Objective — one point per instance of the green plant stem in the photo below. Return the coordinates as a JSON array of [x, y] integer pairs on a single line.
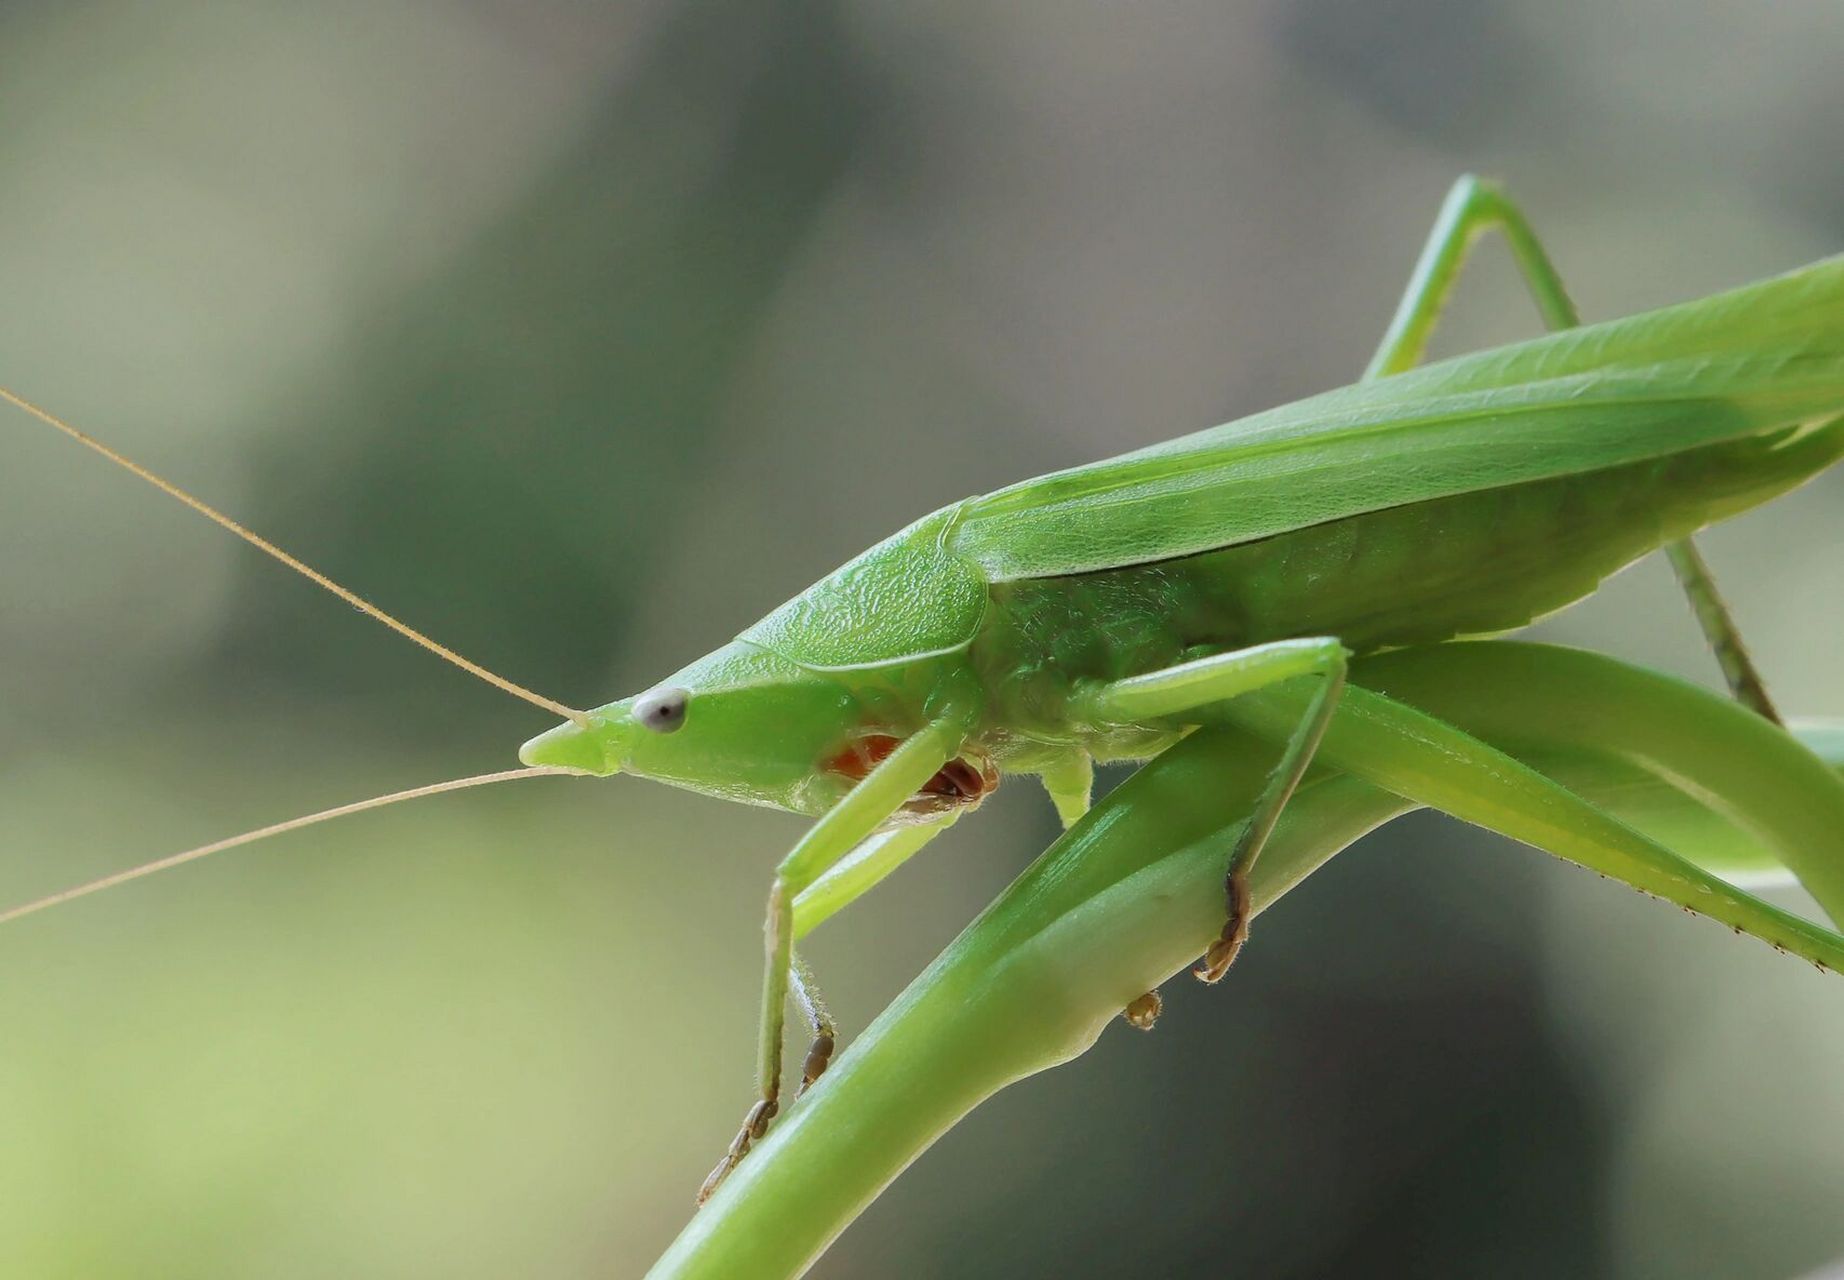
[[1030, 984], [1134, 892]]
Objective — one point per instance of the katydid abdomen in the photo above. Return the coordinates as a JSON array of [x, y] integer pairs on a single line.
[[1469, 564]]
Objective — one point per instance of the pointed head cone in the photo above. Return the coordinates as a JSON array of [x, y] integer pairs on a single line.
[[571, 746]]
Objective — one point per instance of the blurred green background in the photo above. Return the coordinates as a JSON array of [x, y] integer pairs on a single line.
[[579, 335]]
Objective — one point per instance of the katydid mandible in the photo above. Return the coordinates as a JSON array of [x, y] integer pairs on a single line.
[[1097, 614]]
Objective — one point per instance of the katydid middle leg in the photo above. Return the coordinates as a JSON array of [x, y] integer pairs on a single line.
[[1181, 691], [1457, 763], [1473, 208], [1431, 761], [843, 883], [819, 1022]]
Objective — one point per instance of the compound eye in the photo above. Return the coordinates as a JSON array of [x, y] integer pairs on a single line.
[[662, 710]]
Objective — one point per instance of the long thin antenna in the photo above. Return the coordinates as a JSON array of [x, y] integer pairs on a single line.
[[293, 824], [312, 575]]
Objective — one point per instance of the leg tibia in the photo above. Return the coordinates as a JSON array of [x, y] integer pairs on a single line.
[[1473, 208], [1184, 693]]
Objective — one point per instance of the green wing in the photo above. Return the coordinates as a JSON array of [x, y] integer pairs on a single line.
[[1763, 357]]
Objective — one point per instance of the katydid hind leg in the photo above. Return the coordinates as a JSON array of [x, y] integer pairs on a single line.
[[1719, 629], [1178, 692], [1473, 208]]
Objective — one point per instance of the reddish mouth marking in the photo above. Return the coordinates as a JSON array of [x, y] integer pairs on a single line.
[[959, 781]]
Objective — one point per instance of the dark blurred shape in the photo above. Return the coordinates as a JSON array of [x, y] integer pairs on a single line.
[[514, 432]]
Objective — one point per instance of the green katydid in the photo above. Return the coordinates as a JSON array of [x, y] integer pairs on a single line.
[[1101, 613]]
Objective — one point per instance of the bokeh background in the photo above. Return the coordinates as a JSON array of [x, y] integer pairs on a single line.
[[580, 335]]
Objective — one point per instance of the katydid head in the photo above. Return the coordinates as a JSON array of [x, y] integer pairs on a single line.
[[742, 723]]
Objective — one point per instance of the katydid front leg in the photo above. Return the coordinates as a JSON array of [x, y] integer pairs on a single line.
[[1179, 693], [866, 807], [1473, 208], [862, 870]]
